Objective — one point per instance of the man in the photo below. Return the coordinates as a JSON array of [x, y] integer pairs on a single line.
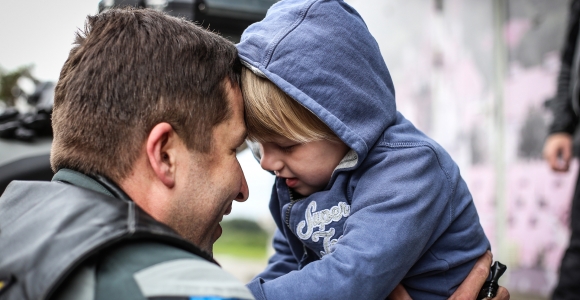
[[558, 150], [147, 118], [148, 109]]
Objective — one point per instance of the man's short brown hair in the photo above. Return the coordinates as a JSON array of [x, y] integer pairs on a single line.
[[128, 71]]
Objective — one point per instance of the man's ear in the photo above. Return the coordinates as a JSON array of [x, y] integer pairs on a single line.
[[162, 144]]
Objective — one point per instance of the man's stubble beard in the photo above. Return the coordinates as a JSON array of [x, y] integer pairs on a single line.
[[189, 227]]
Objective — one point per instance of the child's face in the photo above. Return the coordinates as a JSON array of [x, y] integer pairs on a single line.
[[306, 167]]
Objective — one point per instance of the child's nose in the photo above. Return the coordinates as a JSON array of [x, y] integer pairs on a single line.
[[270, 161]]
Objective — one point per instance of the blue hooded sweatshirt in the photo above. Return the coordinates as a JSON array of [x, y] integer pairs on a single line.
[[396, 209]]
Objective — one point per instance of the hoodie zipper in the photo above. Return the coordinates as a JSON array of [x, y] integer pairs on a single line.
[[287, 216], [287, 221]]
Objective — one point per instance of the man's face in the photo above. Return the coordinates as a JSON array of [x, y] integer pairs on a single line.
[[211, 181], [306, 167]]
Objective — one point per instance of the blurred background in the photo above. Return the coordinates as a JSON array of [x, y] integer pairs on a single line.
[[477, 76]]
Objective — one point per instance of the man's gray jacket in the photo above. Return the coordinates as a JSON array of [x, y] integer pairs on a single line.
[[81, 237]]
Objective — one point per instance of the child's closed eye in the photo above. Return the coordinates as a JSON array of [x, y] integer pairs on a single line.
[[287, 149]]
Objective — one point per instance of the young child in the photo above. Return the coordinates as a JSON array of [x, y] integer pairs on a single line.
[[362, 199]]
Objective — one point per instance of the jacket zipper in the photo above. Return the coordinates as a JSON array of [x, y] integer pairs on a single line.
[[287, 221], [292, 201]]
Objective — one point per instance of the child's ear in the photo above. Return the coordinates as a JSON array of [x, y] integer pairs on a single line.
[[162, 151]]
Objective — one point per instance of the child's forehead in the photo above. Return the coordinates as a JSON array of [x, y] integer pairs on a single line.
[[276, 139]]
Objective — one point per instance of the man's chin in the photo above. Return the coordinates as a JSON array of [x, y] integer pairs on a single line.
[[217, 233]]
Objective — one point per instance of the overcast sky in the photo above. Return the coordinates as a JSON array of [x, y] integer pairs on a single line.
[[40, 32]]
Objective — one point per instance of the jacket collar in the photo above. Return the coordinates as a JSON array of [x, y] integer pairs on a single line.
[[97, 183]]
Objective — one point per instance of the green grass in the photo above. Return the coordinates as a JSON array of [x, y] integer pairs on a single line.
[[242, 238]]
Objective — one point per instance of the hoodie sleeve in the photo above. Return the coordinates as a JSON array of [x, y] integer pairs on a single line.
[[400, 207], [281, 262]]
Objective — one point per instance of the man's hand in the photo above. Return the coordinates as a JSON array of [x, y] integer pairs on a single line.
[[558, 151], [469, 288], [399, 293], [472, 284]]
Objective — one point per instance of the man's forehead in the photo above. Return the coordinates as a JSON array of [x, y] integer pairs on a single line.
[[236, 124]]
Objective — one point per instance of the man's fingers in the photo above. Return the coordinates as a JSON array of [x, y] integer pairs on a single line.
[[470, 287], [551, 156], [566, 155], [399, 293], [552, 159], [502, 294]]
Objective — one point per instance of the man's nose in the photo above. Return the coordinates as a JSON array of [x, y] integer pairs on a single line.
[[244, 190], [269, 161]]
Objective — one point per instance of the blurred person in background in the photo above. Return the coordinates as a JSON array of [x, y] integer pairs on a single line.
[[560, 147]]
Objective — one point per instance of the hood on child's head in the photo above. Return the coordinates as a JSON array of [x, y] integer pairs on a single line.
[[321, 53]]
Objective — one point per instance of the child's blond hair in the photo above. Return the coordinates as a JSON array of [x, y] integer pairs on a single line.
[[270, 113]]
